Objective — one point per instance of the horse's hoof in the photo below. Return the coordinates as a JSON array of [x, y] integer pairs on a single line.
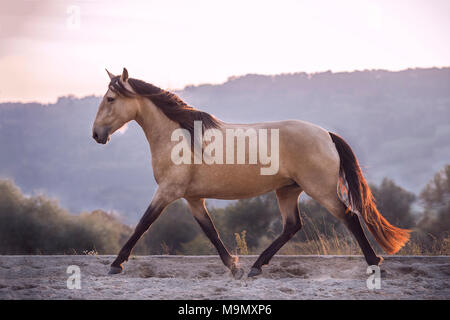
[[375, 262], [237, 273], [254, 272], [115, 270]]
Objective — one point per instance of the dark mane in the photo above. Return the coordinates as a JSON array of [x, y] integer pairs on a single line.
[[170, 104]]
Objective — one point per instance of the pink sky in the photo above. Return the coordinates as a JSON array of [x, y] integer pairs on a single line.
[[46, 51]]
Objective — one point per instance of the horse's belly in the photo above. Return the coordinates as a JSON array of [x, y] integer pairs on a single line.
[[233, 182]]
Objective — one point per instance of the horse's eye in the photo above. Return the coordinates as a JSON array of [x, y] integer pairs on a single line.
[[109, 99]]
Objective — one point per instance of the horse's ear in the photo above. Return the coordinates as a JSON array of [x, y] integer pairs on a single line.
[[124, 76], [111, 76]]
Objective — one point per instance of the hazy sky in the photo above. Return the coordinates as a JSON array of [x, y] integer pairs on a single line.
[[48, 50]]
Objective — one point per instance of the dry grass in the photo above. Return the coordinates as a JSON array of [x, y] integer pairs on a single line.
[[437, 247], [345, 244], [241, 243]]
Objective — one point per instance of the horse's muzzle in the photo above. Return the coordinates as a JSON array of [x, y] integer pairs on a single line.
[[100, 134]]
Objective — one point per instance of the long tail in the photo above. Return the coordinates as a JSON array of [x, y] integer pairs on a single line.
[[390, 238]]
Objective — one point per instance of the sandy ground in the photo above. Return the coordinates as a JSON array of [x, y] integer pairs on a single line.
[[204, 277]]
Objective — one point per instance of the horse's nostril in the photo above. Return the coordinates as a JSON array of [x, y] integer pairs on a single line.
[[95, 136]]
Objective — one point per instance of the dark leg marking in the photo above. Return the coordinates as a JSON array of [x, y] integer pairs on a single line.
[[150, 215], [354, 225], [211, 232], [289, 230], [288, 202], [203, 218]]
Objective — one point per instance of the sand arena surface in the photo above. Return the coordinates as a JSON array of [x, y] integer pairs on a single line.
[[204, 277]]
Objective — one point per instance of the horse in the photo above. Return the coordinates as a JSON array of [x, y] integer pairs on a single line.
[[310, 159]]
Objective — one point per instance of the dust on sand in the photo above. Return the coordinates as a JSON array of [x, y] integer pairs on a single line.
[[204, 277]]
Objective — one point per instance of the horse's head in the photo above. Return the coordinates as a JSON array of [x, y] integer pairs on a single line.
[[119, 106]]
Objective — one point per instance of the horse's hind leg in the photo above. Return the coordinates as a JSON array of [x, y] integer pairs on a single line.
[[288, 202], [354, 225], [201, 215], [334, 205]]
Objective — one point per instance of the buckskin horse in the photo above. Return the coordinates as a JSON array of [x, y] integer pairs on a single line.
[[311, 160]]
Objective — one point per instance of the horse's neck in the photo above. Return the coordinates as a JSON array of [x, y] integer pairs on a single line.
[[157, 127]]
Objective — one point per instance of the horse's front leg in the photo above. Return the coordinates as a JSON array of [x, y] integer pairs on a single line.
[[159, 202], [201, 215]]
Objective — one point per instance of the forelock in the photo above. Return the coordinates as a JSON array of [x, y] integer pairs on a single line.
[[118, 87]]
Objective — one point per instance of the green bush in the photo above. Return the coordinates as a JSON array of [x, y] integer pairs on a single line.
[[37, 225]]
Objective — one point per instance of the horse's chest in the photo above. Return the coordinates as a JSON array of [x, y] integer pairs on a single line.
[[159, 170], [168, 173]]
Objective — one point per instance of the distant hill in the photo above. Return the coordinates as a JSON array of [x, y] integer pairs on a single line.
[[397, 123]]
